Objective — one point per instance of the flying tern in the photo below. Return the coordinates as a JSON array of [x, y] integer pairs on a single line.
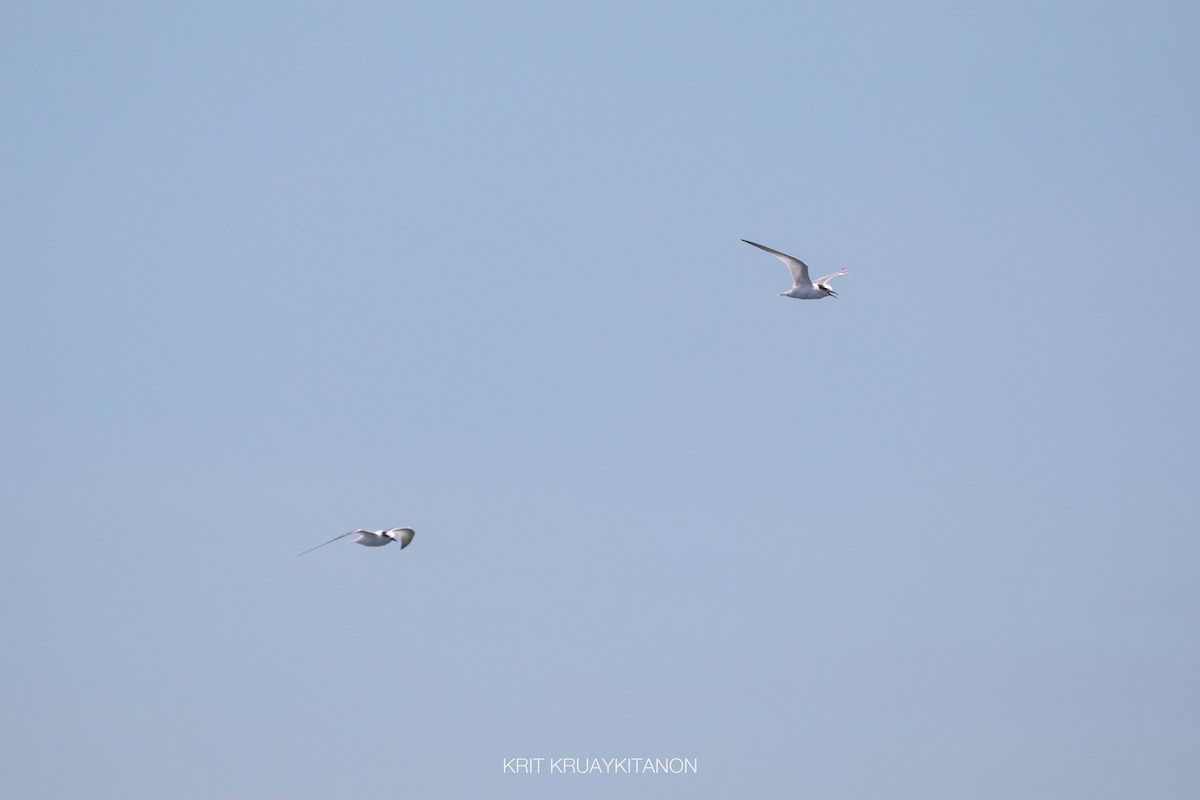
[[802, 287], [375, 538]]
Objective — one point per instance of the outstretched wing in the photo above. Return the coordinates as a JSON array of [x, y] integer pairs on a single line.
[[842, 271], [404, 536], [334, 539], [798, 268]]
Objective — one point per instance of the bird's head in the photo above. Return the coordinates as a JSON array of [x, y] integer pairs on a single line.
[[825, 288], [402, 535]]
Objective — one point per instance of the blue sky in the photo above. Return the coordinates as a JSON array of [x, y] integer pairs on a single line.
[[277, 271]]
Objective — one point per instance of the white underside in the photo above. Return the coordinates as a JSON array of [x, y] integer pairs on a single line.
[[805, 293]]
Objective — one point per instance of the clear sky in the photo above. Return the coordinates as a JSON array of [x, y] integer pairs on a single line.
[[275, 271]]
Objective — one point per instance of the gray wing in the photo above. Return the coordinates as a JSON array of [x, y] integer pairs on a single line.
[[798, 268], [334, 539], [842, 271], [404, 536]]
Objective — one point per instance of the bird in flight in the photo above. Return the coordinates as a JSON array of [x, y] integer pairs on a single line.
[[802, 287], [374, 538]]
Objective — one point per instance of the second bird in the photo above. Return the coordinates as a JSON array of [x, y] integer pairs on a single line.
[[802, 287], [374, 538]]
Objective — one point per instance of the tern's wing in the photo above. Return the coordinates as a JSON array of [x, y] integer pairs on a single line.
[[842, 271], [799, 268], [404, 536], [334, 539]]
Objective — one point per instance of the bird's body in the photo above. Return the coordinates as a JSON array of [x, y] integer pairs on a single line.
[[802, 287], [374, 538]]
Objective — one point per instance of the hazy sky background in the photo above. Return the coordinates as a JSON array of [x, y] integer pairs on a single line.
[[274, 271]]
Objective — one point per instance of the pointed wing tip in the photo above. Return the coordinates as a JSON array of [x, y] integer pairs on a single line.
[[331, 541]]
